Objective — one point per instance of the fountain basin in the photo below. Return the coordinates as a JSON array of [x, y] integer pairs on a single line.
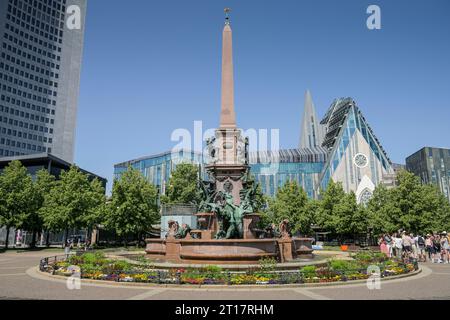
[[230, 251]]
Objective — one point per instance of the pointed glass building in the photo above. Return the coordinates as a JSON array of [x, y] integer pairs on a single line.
[[355, 156]]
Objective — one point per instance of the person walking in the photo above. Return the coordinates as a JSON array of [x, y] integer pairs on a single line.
[[413, 245], [388, 241], [383, 247], [421, 250], [445, 247], [429, 246], [67, 248], [407, 244], [436, 254], [398, 247]]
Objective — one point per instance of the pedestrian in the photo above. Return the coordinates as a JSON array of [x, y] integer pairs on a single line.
[[429, 246], [398, 247], [66, 248], [406, 243], [445, 248], [388, 241], [421, 249], [383, 247], [436, 254], [413, 245]]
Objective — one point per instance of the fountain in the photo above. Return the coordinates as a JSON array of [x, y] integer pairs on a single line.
[[226, 220]]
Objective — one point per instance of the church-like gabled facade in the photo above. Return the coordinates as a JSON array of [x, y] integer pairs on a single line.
[[355, 156]]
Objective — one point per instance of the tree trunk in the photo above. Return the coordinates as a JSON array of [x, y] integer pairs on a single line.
[[33, 240], [138, 240], [47, 239], [7, 237]]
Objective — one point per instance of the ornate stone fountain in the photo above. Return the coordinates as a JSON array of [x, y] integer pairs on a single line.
[[226, 218]]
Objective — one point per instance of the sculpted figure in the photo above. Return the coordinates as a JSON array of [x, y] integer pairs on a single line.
[[284, 229], [173, 229], [208, 194], [183, 231]]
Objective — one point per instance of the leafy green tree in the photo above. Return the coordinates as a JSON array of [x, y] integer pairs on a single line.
[[261, 200], [33, 221], [382, 211], [435, 210], [327, 213], [134, 205], [351, 219], [73, 203], [411, 205], [182, 186], [441, 219], [15, 196], [291, 202], [409, 196]]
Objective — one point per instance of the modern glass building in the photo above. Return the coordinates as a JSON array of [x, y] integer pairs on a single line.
[[40, 64], [271, 169], [158, 168], [349, 153], [432, 165]]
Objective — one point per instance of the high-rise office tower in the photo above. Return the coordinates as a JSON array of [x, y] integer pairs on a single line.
[[41, 44], [432, 165]]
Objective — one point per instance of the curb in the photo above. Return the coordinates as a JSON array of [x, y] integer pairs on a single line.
[[234, 287]]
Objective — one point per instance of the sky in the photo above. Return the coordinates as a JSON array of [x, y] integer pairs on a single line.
[[151, 67]]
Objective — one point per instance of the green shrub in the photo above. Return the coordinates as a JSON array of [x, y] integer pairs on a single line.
[[370, 256], [212, 272], [94, 258], [121, 265], [90, 268], [309, 271]]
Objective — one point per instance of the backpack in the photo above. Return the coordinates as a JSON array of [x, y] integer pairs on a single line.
[[421, 242]]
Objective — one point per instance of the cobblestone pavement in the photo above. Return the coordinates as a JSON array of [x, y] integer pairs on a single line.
[[19, 280]]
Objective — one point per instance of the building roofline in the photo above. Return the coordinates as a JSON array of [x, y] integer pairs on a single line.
[[159, 155], [45, 156]]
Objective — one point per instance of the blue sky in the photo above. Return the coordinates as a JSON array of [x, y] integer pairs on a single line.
[[151, 67]]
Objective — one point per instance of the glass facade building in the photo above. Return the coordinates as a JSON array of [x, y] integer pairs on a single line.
[[432, 165], [158, 168], [271, 169], [343, 121], [349, 153], [40, 62]]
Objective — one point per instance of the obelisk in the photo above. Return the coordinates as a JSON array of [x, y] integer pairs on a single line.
[[227, 115], [228, 148]]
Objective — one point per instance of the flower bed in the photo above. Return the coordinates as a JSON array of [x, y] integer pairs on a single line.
[[97, 267]]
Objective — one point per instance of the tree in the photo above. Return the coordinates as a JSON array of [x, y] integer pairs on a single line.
[[73, 203], [134, 205], [351, 219], [327, 217], [15, 196], [182, 186], [261, 200], [291, 202], [33, 222], [413, 206], [382, 211], [441, 221]]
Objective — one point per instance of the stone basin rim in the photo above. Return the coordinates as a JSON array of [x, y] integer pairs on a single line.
[[198, 241]]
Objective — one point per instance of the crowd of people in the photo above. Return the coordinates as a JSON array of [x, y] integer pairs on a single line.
[[402, 245]]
